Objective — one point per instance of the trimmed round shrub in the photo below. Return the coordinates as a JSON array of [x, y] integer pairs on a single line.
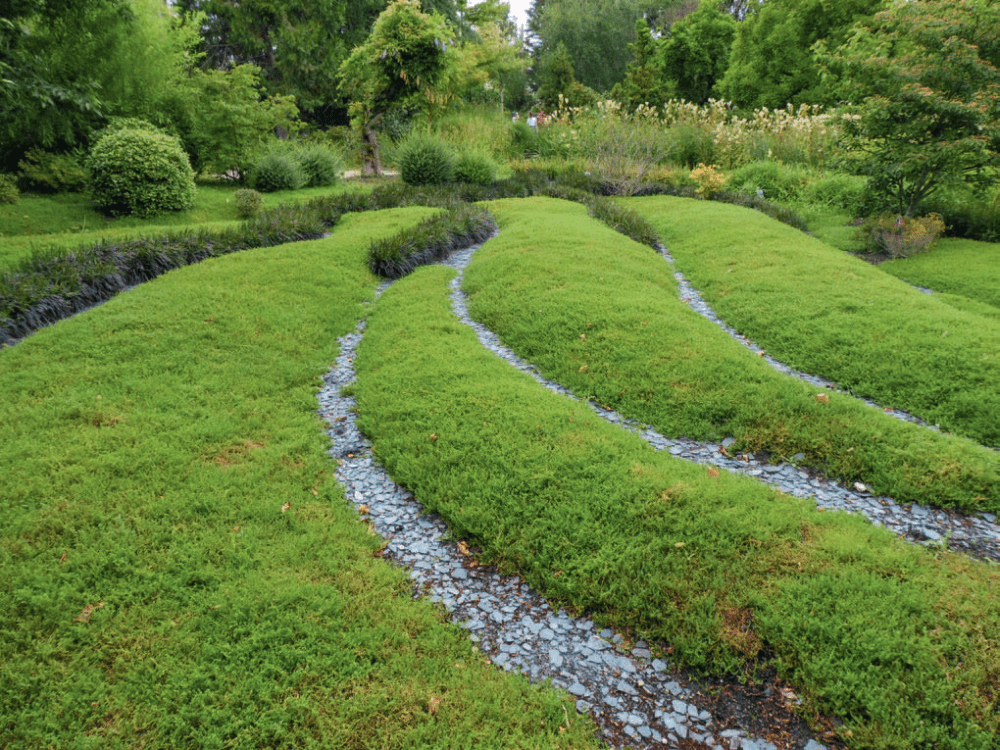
[[141, 172], [248, 203], [320, 164], [277, 170], [425, 160], [478, 169]]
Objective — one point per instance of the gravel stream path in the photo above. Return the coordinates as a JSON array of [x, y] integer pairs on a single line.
[[638, 700]]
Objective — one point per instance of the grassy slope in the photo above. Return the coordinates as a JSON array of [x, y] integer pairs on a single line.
[[964, 268], [39, 223], [147, 449], [601, 315], [713, 568], [833, 315]]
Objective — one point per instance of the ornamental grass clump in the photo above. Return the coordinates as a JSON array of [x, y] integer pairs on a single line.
[[431, 240], [278, 169], [321, 164], [475, 168], [426, 160]]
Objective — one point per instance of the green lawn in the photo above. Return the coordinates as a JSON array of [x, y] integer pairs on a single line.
[[148, 447], [40, 223], [885, 635], [830, 314], [963, 268], [153, 592]]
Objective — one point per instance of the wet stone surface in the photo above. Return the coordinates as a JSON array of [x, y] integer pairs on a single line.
[[636, 698]]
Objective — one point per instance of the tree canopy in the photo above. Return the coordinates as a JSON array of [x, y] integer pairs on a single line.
[[595, 33], [66, 65], [696, 54], [772, 62], [926, 84], [298, 44]]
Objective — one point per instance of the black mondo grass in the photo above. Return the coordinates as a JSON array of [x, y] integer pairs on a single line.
[[431, 240], [54, 285]]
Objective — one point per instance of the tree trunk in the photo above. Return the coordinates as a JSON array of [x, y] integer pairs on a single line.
[[371, 164]]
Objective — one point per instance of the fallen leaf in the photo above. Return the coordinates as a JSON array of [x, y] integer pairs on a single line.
[[363, 510], [583, 337], [286, 507], [62, 559], [584, 368], [712, 471], [822, 398], [432, 705], [84, 616], [434, 436]]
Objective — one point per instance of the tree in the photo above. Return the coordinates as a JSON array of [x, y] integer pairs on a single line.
[[644, 82], [696, 54], [596, 33], [68, 64], [46, 99], [298, 45], [771, 63], [926, 84], [403, 62], [491, 55], [223, 120]]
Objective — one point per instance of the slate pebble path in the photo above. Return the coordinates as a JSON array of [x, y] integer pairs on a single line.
[[635, 698]]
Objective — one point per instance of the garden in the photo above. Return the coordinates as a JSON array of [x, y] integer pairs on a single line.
[[179, 565]]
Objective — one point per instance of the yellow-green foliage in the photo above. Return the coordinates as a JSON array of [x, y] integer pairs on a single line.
[[899, 236], [709, 180]]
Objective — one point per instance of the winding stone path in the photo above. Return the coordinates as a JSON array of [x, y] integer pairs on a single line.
[[635, 698]]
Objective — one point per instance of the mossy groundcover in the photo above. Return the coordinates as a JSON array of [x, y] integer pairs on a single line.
[[715, 569], [833, 315], [178, 566]]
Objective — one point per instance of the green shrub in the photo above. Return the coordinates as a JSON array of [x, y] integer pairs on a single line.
[[321, 164], [8, 189], [897, 236], [426, 160], [709, 181], [968, 215], [779, 182], [278, 169], [141, 172], [523, 140], [125, 123], [479, 169], [49, 172], [693, 145], [839, 190], [248, 203]]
